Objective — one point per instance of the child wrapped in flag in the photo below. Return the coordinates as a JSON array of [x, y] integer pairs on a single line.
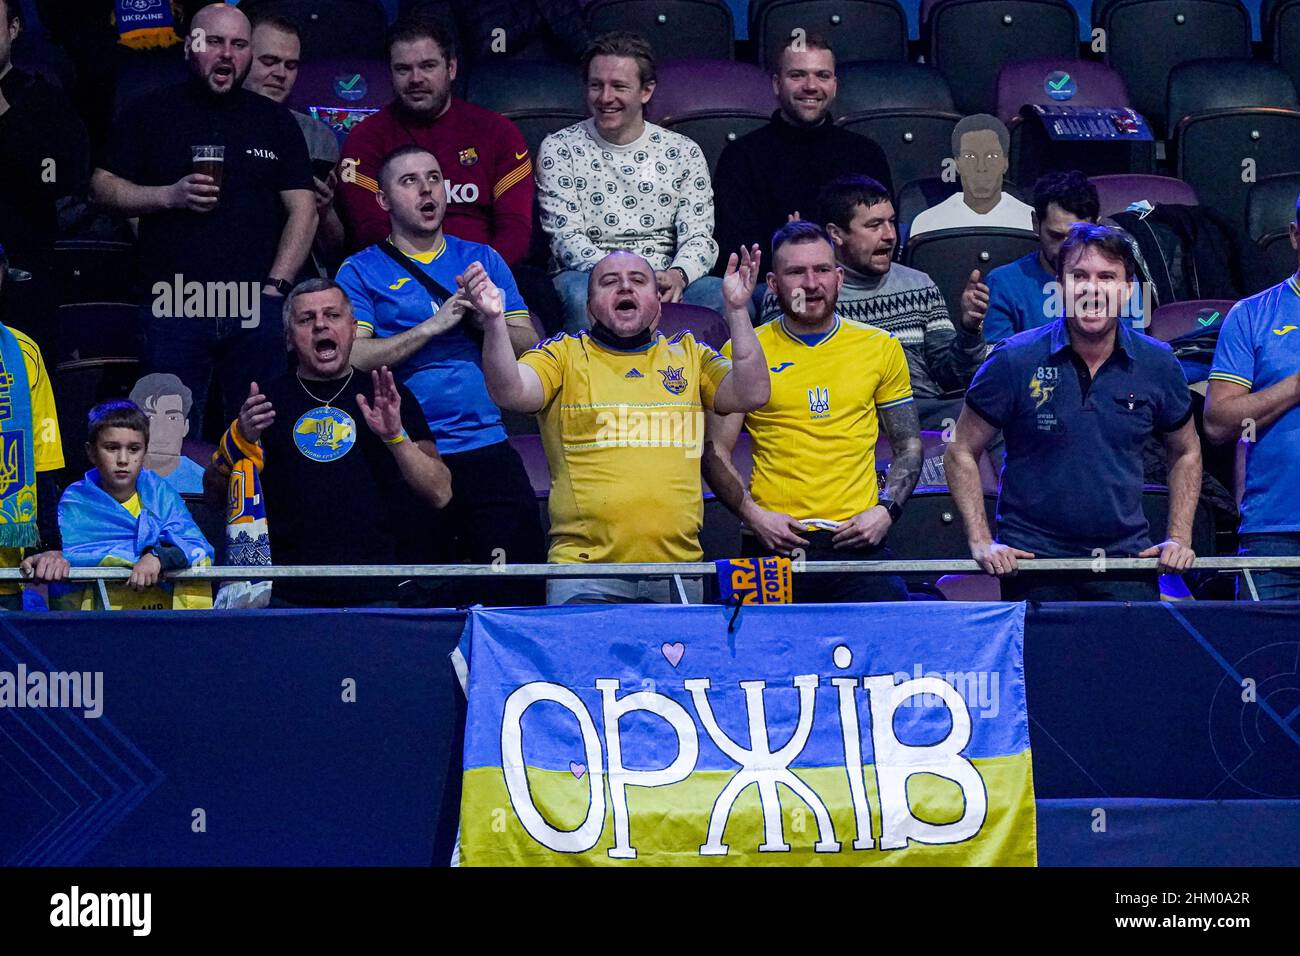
[[121, 515]]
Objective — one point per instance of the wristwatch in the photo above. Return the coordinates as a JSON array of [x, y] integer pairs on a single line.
[[282, 286], [893, 507], [686, 280]]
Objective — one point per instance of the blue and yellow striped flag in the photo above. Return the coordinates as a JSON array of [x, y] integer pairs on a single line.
[[813, 735]]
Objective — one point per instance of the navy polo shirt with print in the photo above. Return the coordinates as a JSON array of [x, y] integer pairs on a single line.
[[1072, 479]]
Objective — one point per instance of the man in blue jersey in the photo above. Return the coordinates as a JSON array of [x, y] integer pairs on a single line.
[[412, 315], [1254, 395]]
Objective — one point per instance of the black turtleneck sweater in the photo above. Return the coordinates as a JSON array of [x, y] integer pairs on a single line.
[[778, 169]]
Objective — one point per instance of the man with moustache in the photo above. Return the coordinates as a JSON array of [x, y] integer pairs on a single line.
[[431, 340], [255, 229], [347, 463], [835, 383], [621, 408], [905, 302], [1076, 400]]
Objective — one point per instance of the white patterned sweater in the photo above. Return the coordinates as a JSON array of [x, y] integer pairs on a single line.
[[652, 196]]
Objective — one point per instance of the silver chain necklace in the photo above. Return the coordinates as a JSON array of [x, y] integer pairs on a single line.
[[332, 397]]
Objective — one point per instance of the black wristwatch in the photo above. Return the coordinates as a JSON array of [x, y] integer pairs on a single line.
[[282, 286], [893, 507]]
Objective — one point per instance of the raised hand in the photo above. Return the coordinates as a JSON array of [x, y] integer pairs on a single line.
[[255, 415], [741, 277], [974, 302], [482, 294], [384, 416]]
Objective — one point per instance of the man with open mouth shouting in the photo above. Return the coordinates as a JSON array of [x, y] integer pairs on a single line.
[[348, 462]]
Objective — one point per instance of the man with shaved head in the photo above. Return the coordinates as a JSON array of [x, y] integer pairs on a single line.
[[248, 230], [622, 414]]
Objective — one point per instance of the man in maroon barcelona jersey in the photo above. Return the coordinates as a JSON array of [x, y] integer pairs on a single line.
[[489, 174]]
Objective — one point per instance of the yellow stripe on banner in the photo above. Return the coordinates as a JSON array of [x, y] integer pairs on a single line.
[[669, 824], [366, 182]]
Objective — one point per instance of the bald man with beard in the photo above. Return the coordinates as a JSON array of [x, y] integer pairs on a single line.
[[253, 228]]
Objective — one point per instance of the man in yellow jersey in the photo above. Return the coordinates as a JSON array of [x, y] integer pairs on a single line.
[[834, 384], [622, 415], [31, 454]]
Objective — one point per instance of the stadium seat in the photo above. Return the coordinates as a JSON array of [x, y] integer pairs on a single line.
[[1118, 192], [855, 29], [969, 40], [1225, 113], [906, 108], [706, 325], [88, 270], [539, 96], [1270, 211], [1155, 505], [341, 93], [918, 194], [340, 28], [970, 587], [93, 330], [145, 73], [1024, 83], [930, 528], [676, 29], [948, 255], [1280, 27], [1177, 319], [713, 102], [1146, 39], [932, 447]]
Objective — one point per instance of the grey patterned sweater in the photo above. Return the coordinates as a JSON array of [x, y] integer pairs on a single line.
[[906, 303]]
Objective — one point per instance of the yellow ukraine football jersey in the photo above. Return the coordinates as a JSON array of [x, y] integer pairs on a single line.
[[47, 445], [623, 433], [815, 440]]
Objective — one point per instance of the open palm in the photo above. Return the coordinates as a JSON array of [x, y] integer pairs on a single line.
[[741, 277]]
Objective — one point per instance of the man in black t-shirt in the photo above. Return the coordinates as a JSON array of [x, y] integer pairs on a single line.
[[217, 253], [349, 463]]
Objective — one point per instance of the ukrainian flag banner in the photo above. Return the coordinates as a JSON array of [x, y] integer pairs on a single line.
[[832, 735]]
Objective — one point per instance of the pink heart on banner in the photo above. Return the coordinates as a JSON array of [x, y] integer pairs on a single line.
[[579, 770], [673, 652]]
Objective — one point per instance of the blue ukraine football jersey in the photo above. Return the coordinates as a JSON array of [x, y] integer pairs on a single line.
[[446, 374], [1259, 346]]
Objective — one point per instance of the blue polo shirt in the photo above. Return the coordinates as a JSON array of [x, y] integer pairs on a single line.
[[1018, 299], [1259, 346], [446, 374], [1072, 479]]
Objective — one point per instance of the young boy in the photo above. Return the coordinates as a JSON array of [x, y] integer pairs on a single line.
[[121, 515]]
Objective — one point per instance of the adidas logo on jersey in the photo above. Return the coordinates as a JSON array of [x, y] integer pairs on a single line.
[[634, 374]]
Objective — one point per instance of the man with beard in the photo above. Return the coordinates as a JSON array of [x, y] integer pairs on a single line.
[[483, 155], [430, 338], [242, 240], [621, 409], [1076, 400], [834, 384], [766, 176], [905, 302], [348, 465]]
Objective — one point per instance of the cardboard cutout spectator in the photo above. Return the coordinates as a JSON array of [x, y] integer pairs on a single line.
[[166, 401], [980, 148]]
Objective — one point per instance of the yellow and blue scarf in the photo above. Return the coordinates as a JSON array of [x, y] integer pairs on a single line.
[[146, 24], [17, 456]]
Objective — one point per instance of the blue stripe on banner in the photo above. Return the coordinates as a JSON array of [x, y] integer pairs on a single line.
[[975, 648]]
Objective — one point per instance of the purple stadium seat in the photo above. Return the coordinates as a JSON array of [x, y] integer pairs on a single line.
[[534, 456], [331, 91], [1168, 322], [676, 29], [694, 87], [1023, 82], [336, 28], [707, 326], [970, 587], [1117, 192]]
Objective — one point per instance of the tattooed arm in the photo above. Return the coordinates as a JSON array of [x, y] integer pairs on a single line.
[[868, 528]]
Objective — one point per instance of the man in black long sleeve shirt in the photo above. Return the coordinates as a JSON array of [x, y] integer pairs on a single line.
[[766, 176]]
